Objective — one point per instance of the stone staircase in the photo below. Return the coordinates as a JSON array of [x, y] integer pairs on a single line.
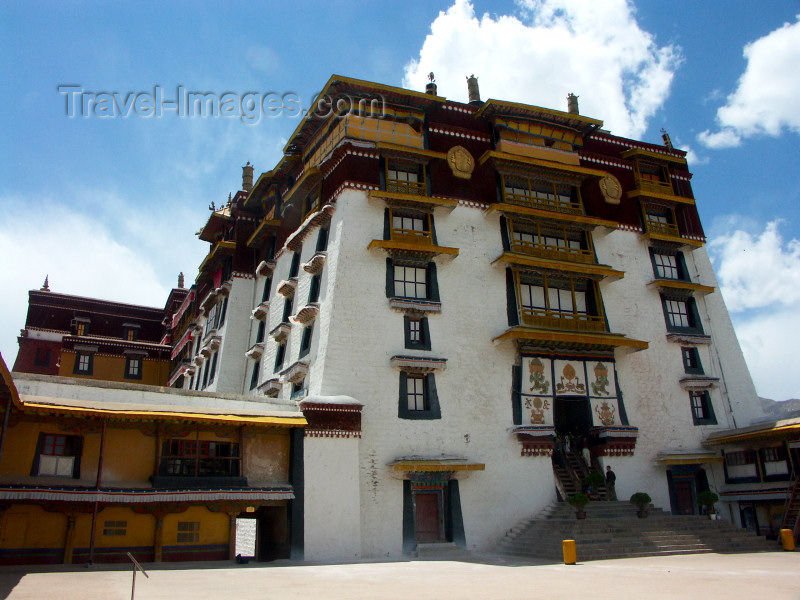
[[612, 530]]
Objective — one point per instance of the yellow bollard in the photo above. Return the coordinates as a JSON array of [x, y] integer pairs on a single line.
[[787, 539], [570, 556]]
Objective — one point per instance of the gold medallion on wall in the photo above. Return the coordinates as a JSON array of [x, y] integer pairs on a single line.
[[611, 188], [461, 162]]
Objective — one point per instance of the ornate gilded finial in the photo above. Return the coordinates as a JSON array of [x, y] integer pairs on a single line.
[[431, 76], [666, 138], [46, 285]]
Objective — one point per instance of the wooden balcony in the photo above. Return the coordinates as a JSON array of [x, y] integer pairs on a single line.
[[662, 228], [550, 203], [411, 236], [415, 188], [539, 250], [550, 319]]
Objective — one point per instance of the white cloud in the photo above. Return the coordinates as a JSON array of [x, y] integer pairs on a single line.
[[760, 280], [765, 101], [758, 271], [595, 50]]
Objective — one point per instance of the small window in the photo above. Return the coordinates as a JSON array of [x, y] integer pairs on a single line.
[[294, 268], [115, 527], [288, 306], [188, 531], [691, 361], [418, 397], [322, 239], [666, 266], [405, 177], [260, 332], [81, 327], [130, 333], [417, 335], [313, 292], [681, 314], [57, 455], [133, 367], [298, 390], [280, 352], [305, 342], [254, 376], [702, 410], [42, 358], [213, 369], [265, 291], [84, 363], [222, 312]]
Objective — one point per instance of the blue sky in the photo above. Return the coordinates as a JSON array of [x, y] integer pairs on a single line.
[[108, 206]]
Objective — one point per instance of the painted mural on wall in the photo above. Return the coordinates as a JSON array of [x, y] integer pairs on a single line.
[[544, 379]]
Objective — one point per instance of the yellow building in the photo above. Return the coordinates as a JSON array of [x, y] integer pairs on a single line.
[[90, 471]]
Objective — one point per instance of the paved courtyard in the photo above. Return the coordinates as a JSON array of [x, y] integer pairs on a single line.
[[773, 576]]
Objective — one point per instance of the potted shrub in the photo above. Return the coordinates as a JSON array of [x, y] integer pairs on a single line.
[[708, 500], [592, 484], [641, 500], [579, 502]]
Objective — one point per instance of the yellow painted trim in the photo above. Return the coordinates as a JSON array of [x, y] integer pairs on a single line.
[[659, 196], [515, 258], [779, 431], [260, 229], [155, 415], [636, 152], [492, 105], [675, 239], [411, 247], [409, 150], [520, 332], [434, 466], [504, 207], [429, 200], [535, 162], [681, 285]]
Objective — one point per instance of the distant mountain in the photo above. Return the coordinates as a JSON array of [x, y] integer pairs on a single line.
[[777, 410]]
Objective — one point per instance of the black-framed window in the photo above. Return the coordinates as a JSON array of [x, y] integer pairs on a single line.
[[42, 358], [188, 531], [57, 455], [405, 177], [305, 341], [280, 353], [669, 264], [262, 326], [115, 528], [133, 367], [417, 334], [559, 300], [409, 225], [288, 306], [213, 369], [418, 398], [691, 361], [294, 267], [223, 310], [254, 375], [322, 239], [313, 289], [298, 389], [84, 363], [702, 409], [265, 291], [681, 314], [130, 333], [80, 326], [411, 280]]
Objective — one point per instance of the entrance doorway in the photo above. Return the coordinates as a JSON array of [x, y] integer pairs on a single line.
[[572, 415], [685, 482], [428, 515]]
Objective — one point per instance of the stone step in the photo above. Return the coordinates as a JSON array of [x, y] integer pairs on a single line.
[[441, 551], [612, 530]]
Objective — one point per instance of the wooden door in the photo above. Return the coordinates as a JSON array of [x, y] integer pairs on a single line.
[[683, 497], [427, 517], [14, 528]]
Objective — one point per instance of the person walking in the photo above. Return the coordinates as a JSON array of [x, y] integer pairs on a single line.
[[611, 482]]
